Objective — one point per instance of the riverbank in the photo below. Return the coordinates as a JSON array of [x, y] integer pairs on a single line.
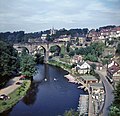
[[17, 93], [71, 78], [60, 64]]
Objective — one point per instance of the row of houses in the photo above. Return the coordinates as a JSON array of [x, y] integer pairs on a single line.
[[83, 67], [113, 72], [104, 34], [92, 36]]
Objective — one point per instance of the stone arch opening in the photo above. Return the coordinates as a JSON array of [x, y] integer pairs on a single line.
[[20, 49], [41, 53], [55, 50], [39, 50]]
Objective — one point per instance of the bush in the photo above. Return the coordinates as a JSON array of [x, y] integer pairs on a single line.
[[4, 103]]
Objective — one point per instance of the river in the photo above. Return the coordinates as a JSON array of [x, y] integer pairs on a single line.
[[47, 98]]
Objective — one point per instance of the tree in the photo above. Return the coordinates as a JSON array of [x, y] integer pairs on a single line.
[[77, 40], [8, 61], [25, 51], [117, 94], [53, 49], [93, 66], [118, 49], [27, 65], [71, 113], [71, 53], [68, 47], [91, 57], [115, 108], [114, 111]]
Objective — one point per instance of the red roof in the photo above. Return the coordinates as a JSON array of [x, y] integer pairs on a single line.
[[22, 76], [113, 69]]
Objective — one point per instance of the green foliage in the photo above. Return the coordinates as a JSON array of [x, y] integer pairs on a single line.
[[92, 72], [118, 49], [25, 51], [15, 96], [62, 50], [94, 49], [105, 61], [71, 53], [60, 64], [68, 47], [27, 65], [71, 113], [77, 40], [91, 52], [115, 108], [19, 36], [114, 111], [91, 58], [93, 66], [109, 56], [53, 49], [39, 58], [117, 94], [9, 61]]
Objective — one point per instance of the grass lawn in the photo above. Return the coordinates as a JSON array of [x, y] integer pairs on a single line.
[[15, 96]]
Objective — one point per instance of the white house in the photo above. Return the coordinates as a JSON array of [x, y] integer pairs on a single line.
[[83, 68], [44, 36]]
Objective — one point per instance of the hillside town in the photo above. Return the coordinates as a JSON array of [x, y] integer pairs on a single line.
[[59, 57], [91, 58]]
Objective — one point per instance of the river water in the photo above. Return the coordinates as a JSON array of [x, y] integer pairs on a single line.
[[47, 98]]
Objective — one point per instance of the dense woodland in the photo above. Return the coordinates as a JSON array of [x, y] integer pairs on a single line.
[[11, 63]]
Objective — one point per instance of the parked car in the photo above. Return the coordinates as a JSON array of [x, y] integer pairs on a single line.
[[18, 83], [4, 97], [22, 77]]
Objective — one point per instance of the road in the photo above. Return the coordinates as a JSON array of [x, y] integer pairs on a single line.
[[10, 86], [109, 92]]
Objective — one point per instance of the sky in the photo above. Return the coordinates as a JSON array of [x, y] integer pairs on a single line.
[[39, 15]]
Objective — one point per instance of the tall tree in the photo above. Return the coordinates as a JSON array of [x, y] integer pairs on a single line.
[[27, 65], [8, 61], [118, 49]]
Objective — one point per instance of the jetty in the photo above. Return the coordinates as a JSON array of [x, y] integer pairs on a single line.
[[83, 104], [71, 78]]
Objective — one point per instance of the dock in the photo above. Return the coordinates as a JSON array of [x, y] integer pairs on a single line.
[[83, 104], [70, 78]]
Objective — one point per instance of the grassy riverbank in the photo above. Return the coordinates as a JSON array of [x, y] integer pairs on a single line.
[[15, 96], [60, 64]]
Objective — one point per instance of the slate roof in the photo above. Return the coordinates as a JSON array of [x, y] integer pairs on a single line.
[[89, 78]]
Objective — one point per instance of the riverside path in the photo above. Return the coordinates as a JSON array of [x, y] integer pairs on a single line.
[[11, 86]]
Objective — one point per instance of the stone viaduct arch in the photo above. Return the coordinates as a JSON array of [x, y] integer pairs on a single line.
[[32, 46]]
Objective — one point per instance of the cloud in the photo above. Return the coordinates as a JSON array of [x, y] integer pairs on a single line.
[[30, 15], [113, 0]]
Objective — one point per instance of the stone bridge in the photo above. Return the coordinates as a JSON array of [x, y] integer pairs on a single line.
[[32, 47]]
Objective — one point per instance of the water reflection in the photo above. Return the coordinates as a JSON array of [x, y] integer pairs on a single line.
[[46, 72], [30, 98], [31, 95]]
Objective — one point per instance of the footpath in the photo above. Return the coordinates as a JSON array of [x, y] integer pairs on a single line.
[[11, 86]]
